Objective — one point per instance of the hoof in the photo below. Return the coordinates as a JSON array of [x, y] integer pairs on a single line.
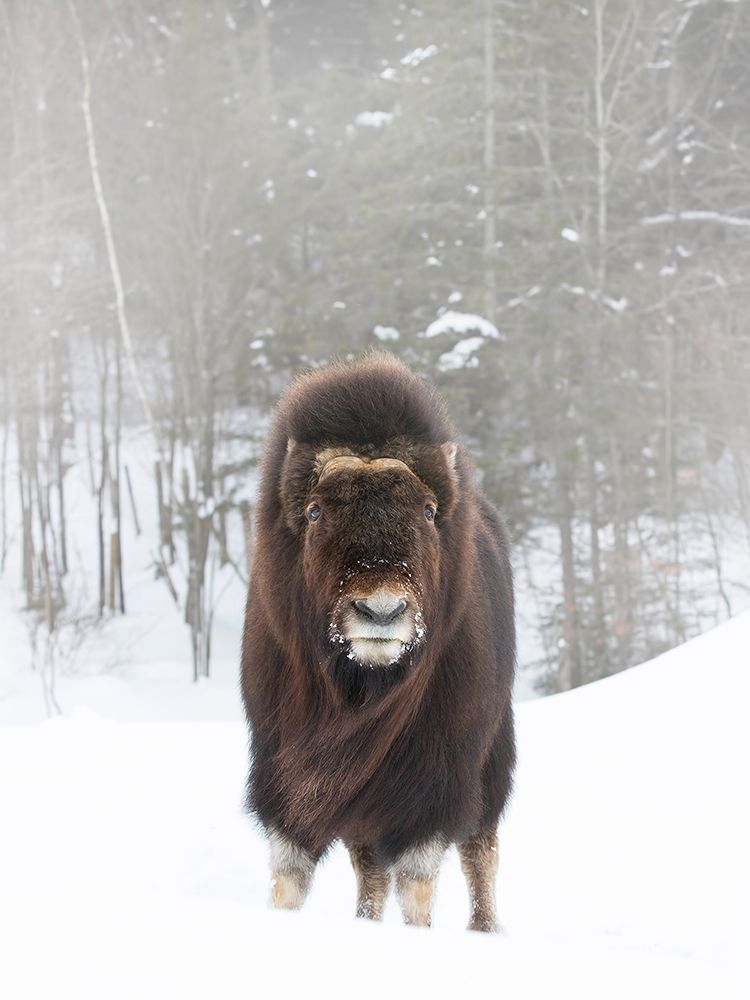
[[484, 926]]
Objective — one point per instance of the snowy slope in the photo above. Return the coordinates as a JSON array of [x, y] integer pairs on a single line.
[[128, 870]]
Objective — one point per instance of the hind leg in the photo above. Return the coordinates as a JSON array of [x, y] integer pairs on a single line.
[[479, 853], [416, 871], [479, 863], [292, 869], [373, 882]]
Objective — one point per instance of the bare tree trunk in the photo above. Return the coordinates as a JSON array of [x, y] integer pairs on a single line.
[[49, 590], [623, 618], [668, 362], [170, 505], [602, 153], [165, 534], [134, 509], [60, 463], [654, 569], [90, 458], [247, 531], [743, 489], [592, 351], [192, 600], [598, 628], [57, 418], [569, 669], [112, 589], [106, 222], [670, 511], [265, 80], [717, 559], [4, 495], [490, 237], [222, 530], [104, 462], [115, 484], [26, 461], [164, 569]]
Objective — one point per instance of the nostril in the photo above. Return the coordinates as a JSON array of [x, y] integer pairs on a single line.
[[365, 610], [378, 617], [397, 611]]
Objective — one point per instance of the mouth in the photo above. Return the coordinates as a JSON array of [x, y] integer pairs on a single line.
[[378, 652]]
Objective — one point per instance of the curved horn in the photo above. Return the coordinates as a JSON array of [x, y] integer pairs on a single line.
[[340, 462], [390, 463], [355, 462]]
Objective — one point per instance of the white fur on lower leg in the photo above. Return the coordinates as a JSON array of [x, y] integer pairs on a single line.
[[415, 899], [292, 870], [287, 891], [416, 872]]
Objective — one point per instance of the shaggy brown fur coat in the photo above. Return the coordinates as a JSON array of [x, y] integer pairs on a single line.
[[392, 756]]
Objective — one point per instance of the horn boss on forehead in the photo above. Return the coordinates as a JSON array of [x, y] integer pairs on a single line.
[[340, 462], [390, 463], [355, 462]]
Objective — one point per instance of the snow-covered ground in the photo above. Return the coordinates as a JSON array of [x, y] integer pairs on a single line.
[[129, 870]]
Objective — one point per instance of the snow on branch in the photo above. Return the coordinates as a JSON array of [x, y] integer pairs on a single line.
[[418, 55], [694, 216], [373, 119], [463, 354], [458, 322]]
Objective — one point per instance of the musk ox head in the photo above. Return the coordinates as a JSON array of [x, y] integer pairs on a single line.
[[369, 523]]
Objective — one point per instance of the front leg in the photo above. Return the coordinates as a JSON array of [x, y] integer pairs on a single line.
[[373, 882], [292, 869], [479, 863], [416, 872]]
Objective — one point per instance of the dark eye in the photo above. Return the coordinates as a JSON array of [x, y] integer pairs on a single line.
[[429, 512], [313, 512]]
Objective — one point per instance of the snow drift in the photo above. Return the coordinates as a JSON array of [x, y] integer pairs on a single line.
[[128, 868]]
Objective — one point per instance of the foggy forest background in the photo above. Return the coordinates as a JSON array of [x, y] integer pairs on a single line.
[[544, 206]]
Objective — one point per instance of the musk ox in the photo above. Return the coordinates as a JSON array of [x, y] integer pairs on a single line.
[[379, 649]]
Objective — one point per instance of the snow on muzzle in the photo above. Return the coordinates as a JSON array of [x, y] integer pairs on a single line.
[[379, 625]]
